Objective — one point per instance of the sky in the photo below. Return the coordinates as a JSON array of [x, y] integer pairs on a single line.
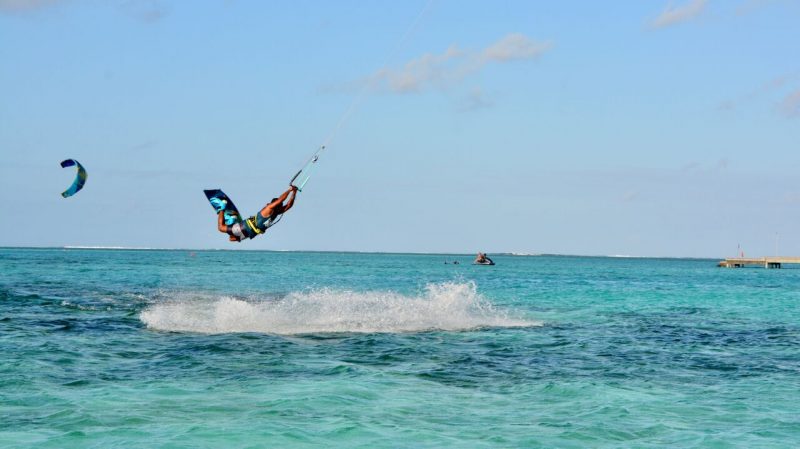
[[640, 128]]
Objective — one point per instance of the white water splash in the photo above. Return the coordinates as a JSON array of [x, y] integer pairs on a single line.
[[446, 306]]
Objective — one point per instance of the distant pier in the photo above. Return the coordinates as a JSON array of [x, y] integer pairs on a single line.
[[766, 262]]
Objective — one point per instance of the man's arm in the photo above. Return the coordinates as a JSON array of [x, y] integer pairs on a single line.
[[283, 196], [267, 210], [291, 198], [221, 226]]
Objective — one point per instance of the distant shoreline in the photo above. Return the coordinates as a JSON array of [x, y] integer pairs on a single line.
[[470, 254]]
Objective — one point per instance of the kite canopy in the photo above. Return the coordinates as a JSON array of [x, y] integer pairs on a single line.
[[80, 177]]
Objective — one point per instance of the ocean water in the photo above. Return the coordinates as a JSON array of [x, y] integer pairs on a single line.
[[245, 349]]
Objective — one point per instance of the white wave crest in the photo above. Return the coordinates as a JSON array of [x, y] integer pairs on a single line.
[[446, 306]]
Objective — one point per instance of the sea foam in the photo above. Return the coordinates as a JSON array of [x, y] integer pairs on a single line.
[[447, 306]]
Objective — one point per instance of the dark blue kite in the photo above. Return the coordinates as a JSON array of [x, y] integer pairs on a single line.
[[80, 178]]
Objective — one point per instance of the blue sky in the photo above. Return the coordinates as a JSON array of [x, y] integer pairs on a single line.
[[644, 128]]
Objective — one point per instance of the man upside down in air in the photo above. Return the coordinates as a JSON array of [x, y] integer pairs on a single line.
[[260, 222]]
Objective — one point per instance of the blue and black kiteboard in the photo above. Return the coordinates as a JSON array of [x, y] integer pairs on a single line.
[[219, 201]]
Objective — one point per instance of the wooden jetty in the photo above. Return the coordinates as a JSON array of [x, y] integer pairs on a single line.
[[766, 262]]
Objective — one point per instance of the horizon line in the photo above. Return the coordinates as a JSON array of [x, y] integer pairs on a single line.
[[500, 253]]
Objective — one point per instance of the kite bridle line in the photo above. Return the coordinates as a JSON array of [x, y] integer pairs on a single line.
[[307, 168]]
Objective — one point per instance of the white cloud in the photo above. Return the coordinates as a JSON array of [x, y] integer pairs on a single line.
[[514, 47], [630, 195], [691, 166], [772, 88], [144, 10], [676, 14], [427, 69], [751, 6], [452, 66], [24, 5], [695, 167], [476, 100], [790, 105], [792, 198]]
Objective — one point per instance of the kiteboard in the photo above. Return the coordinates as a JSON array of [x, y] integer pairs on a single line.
[[220, 202]]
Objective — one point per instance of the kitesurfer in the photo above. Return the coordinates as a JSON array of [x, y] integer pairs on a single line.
[[260, 222]]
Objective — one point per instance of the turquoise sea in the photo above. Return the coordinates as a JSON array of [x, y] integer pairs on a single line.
[[247, 349]]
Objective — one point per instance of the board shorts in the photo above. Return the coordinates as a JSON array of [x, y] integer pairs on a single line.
[[263, 223], [239, 230]]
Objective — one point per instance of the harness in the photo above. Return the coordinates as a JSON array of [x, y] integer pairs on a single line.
[[252, 223]]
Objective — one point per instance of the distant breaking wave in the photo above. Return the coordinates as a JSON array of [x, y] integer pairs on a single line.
[[107, 247], [446, 306]]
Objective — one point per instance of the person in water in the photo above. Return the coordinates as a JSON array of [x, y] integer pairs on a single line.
[[482, 259], [260, 222]]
